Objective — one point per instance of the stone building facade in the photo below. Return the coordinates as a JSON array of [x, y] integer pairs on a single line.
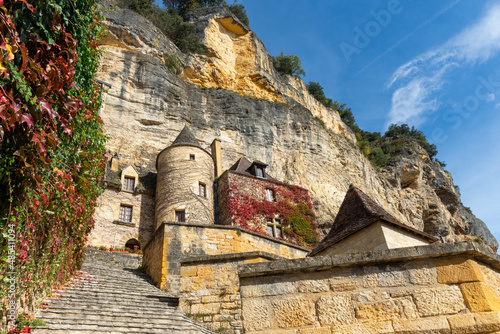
[[185, 190], [235, 270]]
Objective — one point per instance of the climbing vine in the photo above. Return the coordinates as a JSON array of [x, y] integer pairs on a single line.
[[51, 138], [292, 205]]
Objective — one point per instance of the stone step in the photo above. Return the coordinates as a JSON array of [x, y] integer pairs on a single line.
[[95, 305], [108, 298], [115, 296], [145, 324], [109, 315], [121, 330]]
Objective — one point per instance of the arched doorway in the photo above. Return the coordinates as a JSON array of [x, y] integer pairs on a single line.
[[133, 244]]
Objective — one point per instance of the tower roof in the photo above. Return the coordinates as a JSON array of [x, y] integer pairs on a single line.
[[186, 138], [357, 212]]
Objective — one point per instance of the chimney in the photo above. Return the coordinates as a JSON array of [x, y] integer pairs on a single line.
[[216, 155], [114, 162]]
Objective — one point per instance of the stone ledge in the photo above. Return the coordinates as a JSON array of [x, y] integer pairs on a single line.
[[119, 222], [236, 228], [230, 257], [468, 248]]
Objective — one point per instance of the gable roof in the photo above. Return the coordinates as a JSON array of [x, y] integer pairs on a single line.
[[357, 212], [244, 167], [186, 138]]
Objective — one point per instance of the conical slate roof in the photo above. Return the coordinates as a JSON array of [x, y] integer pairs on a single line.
[[186, 138], [357, 212]]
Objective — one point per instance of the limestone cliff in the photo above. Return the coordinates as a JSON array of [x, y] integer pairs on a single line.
[[233, 93]]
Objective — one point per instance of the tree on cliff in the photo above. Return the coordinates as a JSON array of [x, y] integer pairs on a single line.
[[182, 7], [182, 34], [288, 64], [316, 90], [51, 141]]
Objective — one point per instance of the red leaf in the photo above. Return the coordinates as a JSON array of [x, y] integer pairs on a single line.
[[26, 118], [45, 106]]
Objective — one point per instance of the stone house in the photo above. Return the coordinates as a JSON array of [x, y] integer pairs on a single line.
[[189, 187]]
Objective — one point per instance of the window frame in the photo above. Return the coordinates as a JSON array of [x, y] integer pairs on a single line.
[[270, 195], [126, 182], [125, 212], [261, 169], [183, 215], [275, 225], [202, 189]]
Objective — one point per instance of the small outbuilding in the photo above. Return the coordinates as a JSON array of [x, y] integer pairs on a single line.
[[362, 225]]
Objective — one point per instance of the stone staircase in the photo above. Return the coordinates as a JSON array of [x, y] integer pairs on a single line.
[[110, 296]]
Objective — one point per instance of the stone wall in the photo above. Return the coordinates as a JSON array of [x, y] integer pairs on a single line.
[[180, 171], [444, 288], [210, 292], [240, 195], [109, 230], [154, 256], [182, 240]]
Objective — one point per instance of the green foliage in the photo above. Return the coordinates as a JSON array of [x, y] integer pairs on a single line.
[[239, 11], [288, 64], [51, 140], [182, 34], [174, 64], [316, 90], [182, 7], [403, 130]]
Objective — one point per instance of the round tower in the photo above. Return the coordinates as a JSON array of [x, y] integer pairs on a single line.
[[184, 186]]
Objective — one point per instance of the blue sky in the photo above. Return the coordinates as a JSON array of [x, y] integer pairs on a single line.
[[434, 65]]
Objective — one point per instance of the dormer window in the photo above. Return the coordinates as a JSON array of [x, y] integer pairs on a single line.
[[259, 171], [129, 183]]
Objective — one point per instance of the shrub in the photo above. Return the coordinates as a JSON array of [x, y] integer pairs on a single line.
[[182, 34], [174, 64], [288, 64]]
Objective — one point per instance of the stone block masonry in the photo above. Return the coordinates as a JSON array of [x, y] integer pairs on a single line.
[[442, 288], [210, 289], [173, 242]]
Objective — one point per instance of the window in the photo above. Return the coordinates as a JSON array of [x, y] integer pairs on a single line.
[[180, 216], [129, 183], [202, 191], [270, 195], [274, 228], [259, 171], [125, 213], [191, 157]]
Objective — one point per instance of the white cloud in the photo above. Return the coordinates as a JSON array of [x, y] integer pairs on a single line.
[[416, 81], [490, 97], [497, 106]]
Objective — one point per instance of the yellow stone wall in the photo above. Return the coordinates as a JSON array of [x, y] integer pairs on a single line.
[[210, 293], [181, 240], [448, 295]]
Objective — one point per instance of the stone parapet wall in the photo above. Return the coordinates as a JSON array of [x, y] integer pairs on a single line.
[[154, 260], [182, 240], [210, 292], [444, 288]]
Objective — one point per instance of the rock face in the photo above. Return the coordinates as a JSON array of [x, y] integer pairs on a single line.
[[233, 93]]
